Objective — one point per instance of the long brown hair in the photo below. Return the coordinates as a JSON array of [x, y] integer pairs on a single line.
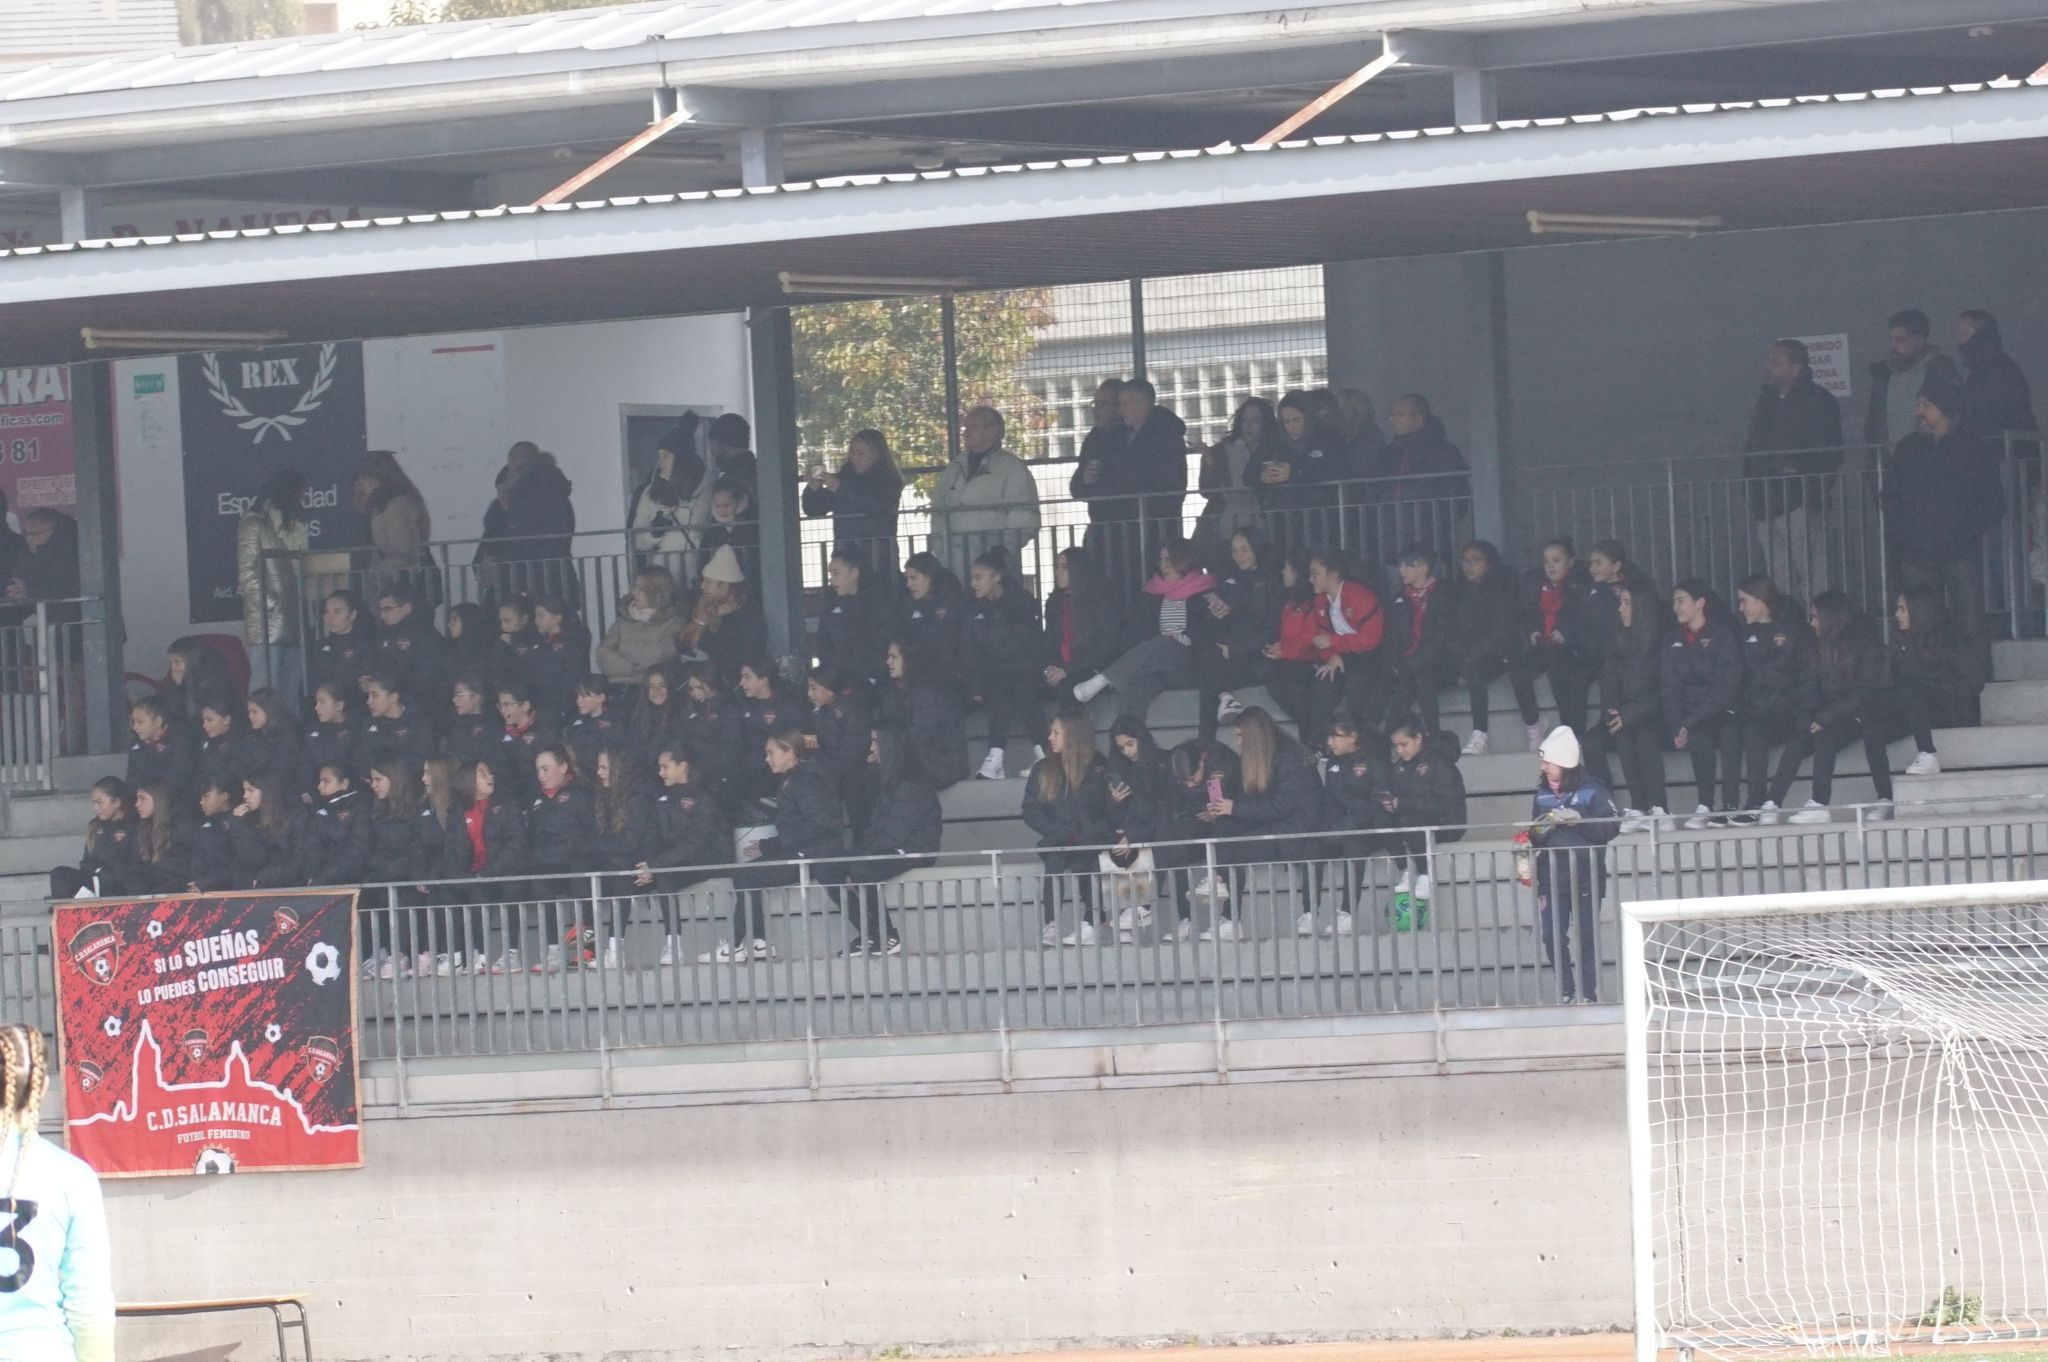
[[615, 801], [381, 467], [405, 789], [1069, 770], [1258, 749], [153, 837], [440, 787], [275, 814]]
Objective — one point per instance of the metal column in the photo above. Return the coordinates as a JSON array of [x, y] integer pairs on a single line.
[[772, 354], [99, 551]]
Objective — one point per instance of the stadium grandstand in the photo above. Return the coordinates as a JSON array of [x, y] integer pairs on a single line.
[[993, 674]]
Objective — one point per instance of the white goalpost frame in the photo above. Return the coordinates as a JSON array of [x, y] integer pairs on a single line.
[[1636, 917]]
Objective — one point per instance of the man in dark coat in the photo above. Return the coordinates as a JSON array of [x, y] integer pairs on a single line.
[[540, 522], [1943, 493], [1146, 454], [1896, 380], [1431, 489], [1794, 441], [1996, 398]]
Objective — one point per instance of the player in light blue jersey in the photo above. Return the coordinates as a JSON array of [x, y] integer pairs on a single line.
[[56, 1273]]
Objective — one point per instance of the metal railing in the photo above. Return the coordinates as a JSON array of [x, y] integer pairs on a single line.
[[42, 690], [972, 929]]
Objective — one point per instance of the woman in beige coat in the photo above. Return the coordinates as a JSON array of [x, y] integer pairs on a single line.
[[644, 634], [400, 527]]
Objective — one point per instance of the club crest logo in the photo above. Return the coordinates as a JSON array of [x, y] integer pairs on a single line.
[[264, 374], [95, 950]]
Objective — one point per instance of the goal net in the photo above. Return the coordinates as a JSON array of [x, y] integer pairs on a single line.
[[1838, 1111]]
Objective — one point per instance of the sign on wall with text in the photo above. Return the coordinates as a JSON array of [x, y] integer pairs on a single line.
[[37, 455], [209, 1034], [243, 415]]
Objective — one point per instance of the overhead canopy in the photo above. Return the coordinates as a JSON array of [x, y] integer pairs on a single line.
[[1784, 164]]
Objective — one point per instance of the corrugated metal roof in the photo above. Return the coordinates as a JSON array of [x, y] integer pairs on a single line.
[[57, 28], [593, 30], [1507, 126]]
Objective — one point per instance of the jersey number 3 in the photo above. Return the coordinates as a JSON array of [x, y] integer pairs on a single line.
[[19, 1214]]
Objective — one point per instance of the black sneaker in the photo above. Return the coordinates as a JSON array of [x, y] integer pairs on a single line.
[[1740, 819], [895, 947], [854, 949], [1722, 820]]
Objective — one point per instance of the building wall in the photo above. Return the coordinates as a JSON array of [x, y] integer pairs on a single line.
[[449, 406], [1413, 1205]]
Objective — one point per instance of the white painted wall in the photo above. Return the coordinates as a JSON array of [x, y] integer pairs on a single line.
[[449, 406], [960, 1225]]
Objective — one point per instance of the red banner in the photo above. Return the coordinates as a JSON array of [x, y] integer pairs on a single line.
[[212, 1034]]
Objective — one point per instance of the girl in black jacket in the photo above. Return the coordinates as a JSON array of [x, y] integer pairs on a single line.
[[1484, 618], [271, 741], [1277, 793], [927, 714], [1137, 784], [1083, 623], [391, 937], [108, 866], [622, 840], [528, 730], [595, 727], [1777, 688], [1004, 653], [690, 833], [658, 716], [862, 498], [450, 928], [1556, 635], [1246, 608], [561, 824], [1417, 649], [810, 827], [712, 733], [167, 849], [858, 615], [1355, 772], [1424, 789], [906, 828], [164, 749], [1066, 802], [1852, 688], [516, 642], [1631, 715], [841, 722], [339, 840], [764, 712], [475, 733], [213, 849], [472, 645], [330, 739], [223, 747], [487, 841], [270, 835], [560, 657], [935, 616], [1937, 673], [1702, 683]]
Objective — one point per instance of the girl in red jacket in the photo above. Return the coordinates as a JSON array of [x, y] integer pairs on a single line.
[[1327, 656]]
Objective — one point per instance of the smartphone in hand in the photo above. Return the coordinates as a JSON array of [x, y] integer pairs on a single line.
[[1215, 789]]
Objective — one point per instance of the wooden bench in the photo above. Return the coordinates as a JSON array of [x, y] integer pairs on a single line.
[[286, 1312]]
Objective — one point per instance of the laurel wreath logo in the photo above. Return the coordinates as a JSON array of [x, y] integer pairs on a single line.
[[232, 408]]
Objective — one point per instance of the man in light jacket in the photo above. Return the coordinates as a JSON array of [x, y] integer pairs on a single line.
[[985, 497]]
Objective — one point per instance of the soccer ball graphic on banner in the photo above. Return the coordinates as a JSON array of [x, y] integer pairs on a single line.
[[213, 1160]]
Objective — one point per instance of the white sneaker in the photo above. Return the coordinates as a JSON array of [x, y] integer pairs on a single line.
[[1699, 818], [1422, 887], [1083, 935], [1812, 811], [1475, 746], [1227, 708], [762, 950], [423, 963], [1051, 935], [1659, 817], [1185, 931], [478, 965], [1926, 764], [1305, 925], [1634, 820], [1206, 888], [1342, 927], [668, 950], [444, 966], [551, 963], [1405, 883], [1136, 916], [509, 962], [611, 953], [1882, 811], [387, 968], [992, 765], [1768, 813], [1225, 930], [724, 955], [1535, 732], [1091, 688]]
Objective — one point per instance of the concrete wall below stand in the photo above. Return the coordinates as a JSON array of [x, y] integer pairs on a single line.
[[1297, 1210]]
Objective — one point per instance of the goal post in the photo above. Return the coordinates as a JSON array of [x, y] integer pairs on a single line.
[[1838, 1120]]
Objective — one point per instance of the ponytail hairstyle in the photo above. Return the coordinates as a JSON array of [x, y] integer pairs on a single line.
[[1612, 550], [1258, 747], [24, 1080], [996, 559], [1067, 772], [1337, 562]]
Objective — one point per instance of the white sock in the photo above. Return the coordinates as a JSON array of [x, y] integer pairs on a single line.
[[1091, 688]]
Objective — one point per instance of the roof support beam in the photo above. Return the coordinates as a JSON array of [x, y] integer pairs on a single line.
[[43, 169], [421, 191], [715, 107], [760, 157], [1475, 98]]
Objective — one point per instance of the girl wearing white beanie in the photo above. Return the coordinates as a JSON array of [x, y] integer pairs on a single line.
[[1574, 817]]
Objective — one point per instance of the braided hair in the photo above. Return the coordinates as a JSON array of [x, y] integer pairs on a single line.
[[24, 1079]]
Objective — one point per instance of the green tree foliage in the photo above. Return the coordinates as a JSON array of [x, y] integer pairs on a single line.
[[881, 365], [448, 11], [202, 23]]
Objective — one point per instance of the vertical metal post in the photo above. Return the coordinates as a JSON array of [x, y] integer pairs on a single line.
[[773, 358], [1635, 1011], [1137, 328], [949, 344], [99, 562], [46, 683], [1671, 519]]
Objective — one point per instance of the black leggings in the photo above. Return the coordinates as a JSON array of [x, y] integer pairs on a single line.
[[1011, 697], [872, 925], [1215, 674], [1570, 680], [1922, 709], [1715, 746], [1313, 702], [1832, 739], [1049, 893], [1479, 676], [1760, 733], [1415, 690], [1640, 746], [1568, 906]]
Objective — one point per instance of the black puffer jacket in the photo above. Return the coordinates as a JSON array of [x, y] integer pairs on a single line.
[[199, 853], [512, 763], [1425, 659], [1941, 496], [1253, 596], [1077, 817], [1851, 684], [853, 631], [1632, 683], [631, 843], [342, 660], [226, 759], [556, 665], [172, 759], [340, 839], [1352, 786], [326, 745], [689, 830], [1777, 669], [273, 752], [505, 847], [472, 737], [717, 742], [539, 513], [1098, 635], [1293, 802], [560, 828], [1003, 634], [264, 861], [928, 716], [907, 819], [394, 850], [417, 655], [1949, 666], [1702, 675], [1483, 623], [408, 740], [1585, 616], [1141, 815], [936, 627], [842, 729], [810, 821], [864, 508], [1430, 789], [587, 735]]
